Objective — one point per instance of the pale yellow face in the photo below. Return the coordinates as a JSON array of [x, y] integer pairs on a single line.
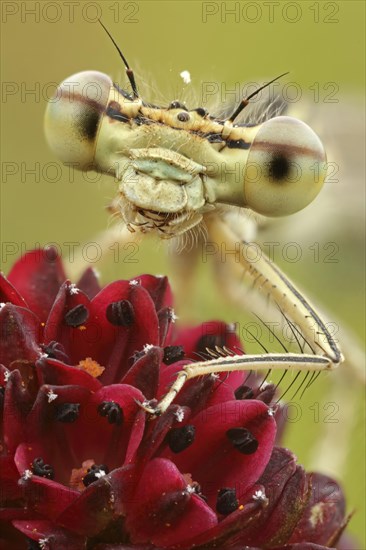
[[174, 164]]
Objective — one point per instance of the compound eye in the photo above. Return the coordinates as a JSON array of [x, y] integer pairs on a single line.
[[73, 116], [286, 167]]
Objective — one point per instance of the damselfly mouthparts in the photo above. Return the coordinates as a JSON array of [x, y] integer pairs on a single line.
[[177, 167]]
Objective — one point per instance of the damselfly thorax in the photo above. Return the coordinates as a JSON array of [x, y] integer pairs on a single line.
[[175, 164]]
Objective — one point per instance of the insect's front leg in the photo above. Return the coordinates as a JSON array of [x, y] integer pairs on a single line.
[[270, 281]]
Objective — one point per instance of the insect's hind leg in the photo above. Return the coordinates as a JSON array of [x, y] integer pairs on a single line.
[[269, 281]]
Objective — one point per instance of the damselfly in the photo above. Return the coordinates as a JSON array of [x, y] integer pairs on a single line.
[[178, 169]]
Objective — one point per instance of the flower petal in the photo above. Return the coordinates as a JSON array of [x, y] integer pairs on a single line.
[[91, 511], [144, 373], [163, 511], [89, 283], [55, 537], [17, 403], [20, 334], [37, 276], [287, 489], [8, 293], [323, 520], [56, 373], [159, 290], [46, 497], [214, 461]]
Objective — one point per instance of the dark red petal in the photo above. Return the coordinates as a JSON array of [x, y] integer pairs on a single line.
[[20, 334], [57, 329], [91, 511], [89, 283], [56, 373], [145, 330], [58, 538], [213, 461], [17, 404], [8, 293], [226, 532], [10, 494], [112, 444], [10, 537], [144, 373], [287, 490], [163, 511], [166, 318], [323, 519], [25, 454], [157, 431], [37, 276], [159, 290], [47, 497]]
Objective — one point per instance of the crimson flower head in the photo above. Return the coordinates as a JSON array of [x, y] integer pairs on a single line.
[[82, 466]]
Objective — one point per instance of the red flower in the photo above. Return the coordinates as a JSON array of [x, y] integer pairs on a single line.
[[83, 467]]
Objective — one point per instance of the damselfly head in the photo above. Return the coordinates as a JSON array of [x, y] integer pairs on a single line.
[[174, 165]]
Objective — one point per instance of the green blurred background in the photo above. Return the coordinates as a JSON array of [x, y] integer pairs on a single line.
[[320, 43]]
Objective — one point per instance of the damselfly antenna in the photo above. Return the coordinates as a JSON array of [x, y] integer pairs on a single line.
[[244, 102], [129, 71]]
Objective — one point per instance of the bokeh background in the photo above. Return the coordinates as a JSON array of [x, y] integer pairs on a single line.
[[228, 44]]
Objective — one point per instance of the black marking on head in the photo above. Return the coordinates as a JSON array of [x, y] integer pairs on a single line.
[[279, 167], [114, 111], [139, 120], [183, 117], [215, 138], [177, 105], [201, 111], [237, 144], [123, 92]]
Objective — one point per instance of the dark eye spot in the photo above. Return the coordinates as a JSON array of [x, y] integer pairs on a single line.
[[183, 117], [279, 167], [87, 122]]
